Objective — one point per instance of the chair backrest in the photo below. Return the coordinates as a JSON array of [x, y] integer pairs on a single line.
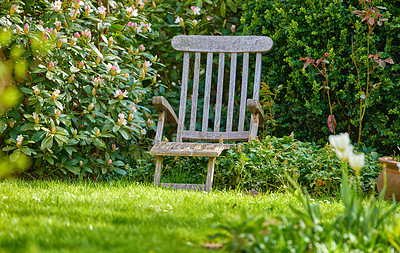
[[234, 46]]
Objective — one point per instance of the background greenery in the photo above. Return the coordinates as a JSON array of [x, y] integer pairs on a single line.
[[311, 28]]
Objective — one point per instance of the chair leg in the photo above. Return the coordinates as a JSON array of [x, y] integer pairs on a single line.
[[210, 173], [157, 174]]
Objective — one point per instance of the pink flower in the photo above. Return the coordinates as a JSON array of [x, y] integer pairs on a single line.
[[36, 90], [76, 6], [88, 10], [57, 114], [110, 41], [130, 117], [55, 94], [56, 6], [71, 78], [53, 129], [121, 119], [35, 118], [179, 20], [44, 36], [97, 81], [94, 92], [114, 147], [233, 28], [109, 162], [51, 66], [77, 35], [11, 124], [102, 12], [58, 25], [195, 10], [146, 65], [126, 75], [20, 138], [86, 35], [113, 69], [141, 47], [13, 9], [26, 28], [121, 95], [80, 64], [195, 22], [90, 107]]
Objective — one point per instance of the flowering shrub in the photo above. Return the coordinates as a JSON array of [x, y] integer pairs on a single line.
[[83, 73]]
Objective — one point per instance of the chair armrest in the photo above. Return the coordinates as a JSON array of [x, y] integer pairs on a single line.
[[162, 104], [256, 108]]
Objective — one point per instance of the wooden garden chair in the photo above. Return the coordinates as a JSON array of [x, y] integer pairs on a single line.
[[198, 129]]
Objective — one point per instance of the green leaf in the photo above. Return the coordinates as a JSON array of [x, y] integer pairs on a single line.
[[124, 134], [223, 9], [120, 171], [47, 143], [27, 151], [104, 170], [15, 155], [99, 143], [61, 138], [3, 126], [38, 136], [95, 50], [117, 27], [27, 127], [231, 5], [8, 148], [50, 160], [116, 128], [73, 69], [70, 150], [58, 104], [49, 75]]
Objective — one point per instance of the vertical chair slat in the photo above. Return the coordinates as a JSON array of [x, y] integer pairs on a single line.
[[243, 94], [220, 87], [232, 80], [206, 106], [195, 93], [256, 93], [182, 106], [257, 76]]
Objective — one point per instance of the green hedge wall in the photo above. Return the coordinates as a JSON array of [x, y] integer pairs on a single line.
[[310, 28]]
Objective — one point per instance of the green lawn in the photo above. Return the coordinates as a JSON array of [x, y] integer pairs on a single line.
[[51, 216]]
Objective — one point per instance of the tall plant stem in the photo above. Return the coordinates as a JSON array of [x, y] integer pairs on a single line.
[[330, 107]]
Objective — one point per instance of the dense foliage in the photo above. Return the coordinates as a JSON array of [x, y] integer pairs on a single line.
[[310, 28], [83, 72], [262, 165]]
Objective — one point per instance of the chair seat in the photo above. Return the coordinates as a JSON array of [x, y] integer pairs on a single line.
[[188, 149]]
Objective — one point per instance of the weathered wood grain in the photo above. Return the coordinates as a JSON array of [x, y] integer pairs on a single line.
[[160, 126], [195, 92], [222, 44], [215, 136], [157, 174], [206, 105], [232, 81], [220, 87], [162, 104], [243, 92], [210, 173], [182, 106], [256, 108]]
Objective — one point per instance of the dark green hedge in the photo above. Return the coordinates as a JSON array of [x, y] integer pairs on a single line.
[[303, 28]]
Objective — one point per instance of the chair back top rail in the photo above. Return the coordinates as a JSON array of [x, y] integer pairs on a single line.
[[222, 44]]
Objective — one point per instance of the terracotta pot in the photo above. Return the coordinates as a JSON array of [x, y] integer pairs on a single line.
[[392, 178]]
